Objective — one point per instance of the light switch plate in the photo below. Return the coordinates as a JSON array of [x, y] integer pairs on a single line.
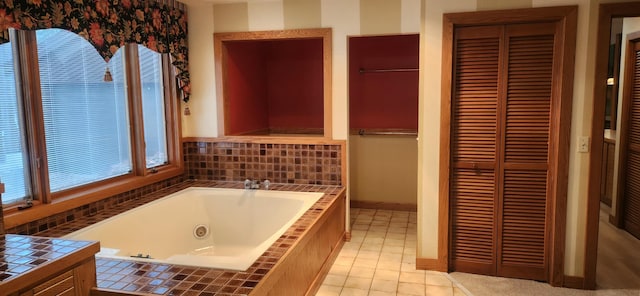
[[583, 144]]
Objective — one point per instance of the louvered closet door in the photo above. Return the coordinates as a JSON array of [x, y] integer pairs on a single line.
[[631, 207], [501, 113], [474, 149], [525, 169]]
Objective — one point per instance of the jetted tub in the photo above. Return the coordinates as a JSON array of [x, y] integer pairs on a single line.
[[208, 227]]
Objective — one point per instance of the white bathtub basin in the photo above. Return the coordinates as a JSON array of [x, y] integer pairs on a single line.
[[241, 224]]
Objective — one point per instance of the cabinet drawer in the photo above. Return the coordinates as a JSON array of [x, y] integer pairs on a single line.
[[59, 285]]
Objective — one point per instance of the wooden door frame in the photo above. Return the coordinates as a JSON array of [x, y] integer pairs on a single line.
[[606, 13], [566, 18]]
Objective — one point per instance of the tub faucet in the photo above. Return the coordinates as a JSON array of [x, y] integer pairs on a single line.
[[251, 184], [266, 184]]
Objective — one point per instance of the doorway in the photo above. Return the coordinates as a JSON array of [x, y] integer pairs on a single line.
[[383, 121], [611, 262]]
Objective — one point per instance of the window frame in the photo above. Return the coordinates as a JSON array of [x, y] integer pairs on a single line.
[[45, 202]]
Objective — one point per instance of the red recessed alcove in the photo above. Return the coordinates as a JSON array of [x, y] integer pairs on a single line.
[[383, 83], [273, 85]]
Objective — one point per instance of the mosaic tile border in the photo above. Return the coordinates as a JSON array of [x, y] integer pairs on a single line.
[[317, 164]]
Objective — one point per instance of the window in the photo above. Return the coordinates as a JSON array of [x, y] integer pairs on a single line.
[[153, 107], [12, 152], [85, 117], [86, 122]]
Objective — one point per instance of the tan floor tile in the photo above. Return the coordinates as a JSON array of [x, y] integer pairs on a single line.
[[362, 272], [439, 291], [352, 245], [394, 242], [408, 266], [389, 275], [339, 270], [347, 253], [379, 223], [408, 258], [402, 230], [458, 292], [334, 280], [354, 292], [411, 289], [365, 262], [373, 241], [435, 278], [396, 236], [412, 277], [378, 228], [409, 250], [371, 247], [390, 257], [393, 249], [366, 254], [380, 293], [384, 285], [388, 265], [346, 261], [359, 226], [329, 291], [357, 283], [376, 234]]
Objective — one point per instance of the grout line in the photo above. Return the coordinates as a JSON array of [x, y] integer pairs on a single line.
[[458, 284]]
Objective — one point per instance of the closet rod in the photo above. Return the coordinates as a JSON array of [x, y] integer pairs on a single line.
[[363, 132], [362, 70]]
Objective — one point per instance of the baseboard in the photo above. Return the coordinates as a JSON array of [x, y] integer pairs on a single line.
[[378, 205], [431, 264], [615, 221], [573, 282], [347, 236]]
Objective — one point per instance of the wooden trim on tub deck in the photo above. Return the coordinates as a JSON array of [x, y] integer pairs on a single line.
[[302, 268]]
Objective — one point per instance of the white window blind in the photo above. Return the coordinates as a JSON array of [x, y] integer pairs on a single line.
[[12, 152], [85, 117], [155, 136]]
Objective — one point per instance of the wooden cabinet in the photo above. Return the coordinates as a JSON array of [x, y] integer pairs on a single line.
[[76, 281], [608, 155]]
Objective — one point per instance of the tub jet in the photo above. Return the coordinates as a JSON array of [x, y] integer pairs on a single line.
[[201, 231]]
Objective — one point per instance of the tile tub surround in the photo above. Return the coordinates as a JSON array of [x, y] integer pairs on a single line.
[[163, 279], [319, 164]]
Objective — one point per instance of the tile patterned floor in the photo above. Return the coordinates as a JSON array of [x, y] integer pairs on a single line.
[[380, 260]]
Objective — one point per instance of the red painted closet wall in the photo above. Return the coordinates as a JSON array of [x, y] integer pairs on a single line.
[[295, 84], [274, 85], [246, 88], [383, 100]]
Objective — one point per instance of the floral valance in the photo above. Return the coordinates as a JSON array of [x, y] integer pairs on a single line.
[[160, 25]]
